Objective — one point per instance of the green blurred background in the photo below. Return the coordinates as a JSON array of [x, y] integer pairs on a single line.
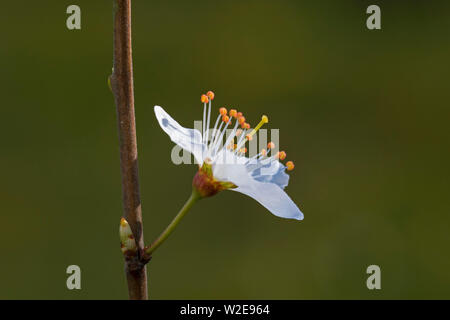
[[364, 115]]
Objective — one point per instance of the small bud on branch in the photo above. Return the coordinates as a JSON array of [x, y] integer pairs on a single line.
[[127, 241]]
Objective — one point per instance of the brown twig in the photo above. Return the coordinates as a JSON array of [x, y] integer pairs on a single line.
[[122, 86]]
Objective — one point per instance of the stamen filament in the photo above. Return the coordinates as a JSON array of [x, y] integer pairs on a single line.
[[204, 121], [207, 125], [249, 136], [233, 134], [242, 140], [260, 124], [259, 156], [217, 145], [213, 134], [217, 134]]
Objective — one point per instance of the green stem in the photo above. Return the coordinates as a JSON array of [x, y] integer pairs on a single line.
[[165, 234]]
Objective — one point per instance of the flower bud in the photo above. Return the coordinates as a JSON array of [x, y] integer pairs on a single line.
[[127, 241]]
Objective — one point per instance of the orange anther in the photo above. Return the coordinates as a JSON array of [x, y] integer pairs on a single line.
[[223, 111], [238, 115], [241, 120], [270, 145], [243, 150], [290, 165], [204, 98], [247, 125], [263, 152], [282, 155], [249, 137], [238, 132], [210, 95], [225, 118], [233, 113]]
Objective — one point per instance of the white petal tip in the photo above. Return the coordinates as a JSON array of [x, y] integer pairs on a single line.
[[297, 216], [294, 213]]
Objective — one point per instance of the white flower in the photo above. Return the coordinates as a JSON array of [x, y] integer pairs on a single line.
[[225, 166]]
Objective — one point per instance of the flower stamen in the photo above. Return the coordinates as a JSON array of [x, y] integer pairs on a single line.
[[280, 155], [204, 98], [264, 120], [290, 165], [242, 134], [210, 95], [214, 132]]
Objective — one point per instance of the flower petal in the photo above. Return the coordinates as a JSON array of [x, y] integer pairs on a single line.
[[188, 139], [269, 194], [272, 197], [228, 166], [270, 171]]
